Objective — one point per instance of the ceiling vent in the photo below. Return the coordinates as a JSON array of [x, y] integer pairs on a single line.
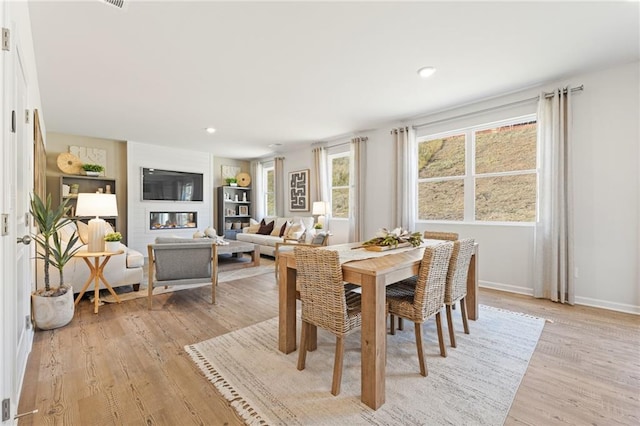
[[117, 3]]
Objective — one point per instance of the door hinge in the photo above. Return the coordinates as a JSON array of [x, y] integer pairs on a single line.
[[13, 121], [6, 38], [6, 409], [26, 116], [5, 224]]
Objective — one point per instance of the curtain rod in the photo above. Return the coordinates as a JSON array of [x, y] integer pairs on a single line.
[[514, 103]]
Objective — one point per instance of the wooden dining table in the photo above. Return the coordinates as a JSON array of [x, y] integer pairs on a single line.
[[373, 275]]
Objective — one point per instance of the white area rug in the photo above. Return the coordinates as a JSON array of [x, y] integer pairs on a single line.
[[474, 385], [223, 276]]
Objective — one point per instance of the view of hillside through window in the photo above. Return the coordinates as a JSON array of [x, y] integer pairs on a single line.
[[504, 180], [270, 193], [339, 186]]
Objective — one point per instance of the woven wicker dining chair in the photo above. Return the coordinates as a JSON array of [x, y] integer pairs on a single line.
[[325, 303], [456, 288], [428, 235], [420, 297], [434, 235]]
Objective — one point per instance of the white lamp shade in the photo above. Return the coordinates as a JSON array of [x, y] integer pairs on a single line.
[[319, 207], [90, 204]]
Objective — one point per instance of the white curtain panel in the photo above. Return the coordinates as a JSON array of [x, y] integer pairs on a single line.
[[258, 190], [358, 175], [553, 267], [404, 208], [278, 172], [321, 180]]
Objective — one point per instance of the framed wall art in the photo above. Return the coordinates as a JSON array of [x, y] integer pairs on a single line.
[[299, 191], [243, 210]]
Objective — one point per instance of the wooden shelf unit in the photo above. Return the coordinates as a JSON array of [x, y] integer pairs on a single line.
[[231, 224]]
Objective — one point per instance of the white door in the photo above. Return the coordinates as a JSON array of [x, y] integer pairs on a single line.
[[17, 181]]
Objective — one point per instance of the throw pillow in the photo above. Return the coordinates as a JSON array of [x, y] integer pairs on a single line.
[[295, 231], [265, 229], [278, 226], [253, 229], [83, 231]]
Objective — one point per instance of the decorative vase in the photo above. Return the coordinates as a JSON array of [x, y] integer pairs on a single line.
[[51, 312], [111, 246]]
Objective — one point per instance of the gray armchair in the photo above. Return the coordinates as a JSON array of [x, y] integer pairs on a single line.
[[180, 264]]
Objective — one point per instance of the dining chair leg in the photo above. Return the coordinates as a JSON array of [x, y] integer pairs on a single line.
[[392, 324], [452, 333], [463, 311], [443, 348], [337, 366], [400, 323], [423, 365], [302, 349]]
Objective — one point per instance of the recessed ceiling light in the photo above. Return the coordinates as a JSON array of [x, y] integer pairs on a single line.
[[274, 145], [426, 72], [210, 130]]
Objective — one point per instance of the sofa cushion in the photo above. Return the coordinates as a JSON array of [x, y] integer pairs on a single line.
[[135, 259], [263, 240]]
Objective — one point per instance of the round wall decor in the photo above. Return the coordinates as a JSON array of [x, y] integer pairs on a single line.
[[69, 163], [243, 179]]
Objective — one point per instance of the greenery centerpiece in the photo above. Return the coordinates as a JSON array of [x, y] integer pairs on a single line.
[[112, 241], [113, 236], [52, 306], [393, 239], [231, 181]]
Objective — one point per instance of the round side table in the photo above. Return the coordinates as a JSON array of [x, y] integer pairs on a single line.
[[97, 275]]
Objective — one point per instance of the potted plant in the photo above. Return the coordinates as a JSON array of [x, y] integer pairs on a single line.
[[92, 169], [53, 307], [231, 181], [112, 241]]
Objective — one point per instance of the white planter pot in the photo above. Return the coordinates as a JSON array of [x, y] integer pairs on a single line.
[[112, 246], [53, 312]]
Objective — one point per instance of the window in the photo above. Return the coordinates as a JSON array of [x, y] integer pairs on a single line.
[[482, 173], [339, 175], [268, 177]]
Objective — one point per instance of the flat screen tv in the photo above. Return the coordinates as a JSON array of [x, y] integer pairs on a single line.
[[171, 185]]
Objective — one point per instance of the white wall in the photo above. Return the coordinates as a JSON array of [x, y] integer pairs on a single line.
[[144, 155], [606, 176]]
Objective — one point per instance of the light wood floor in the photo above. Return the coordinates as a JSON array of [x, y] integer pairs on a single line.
[[127, 365]]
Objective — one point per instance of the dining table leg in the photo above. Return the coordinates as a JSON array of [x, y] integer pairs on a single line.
[[286, 308], [471, 299], [374, 351]]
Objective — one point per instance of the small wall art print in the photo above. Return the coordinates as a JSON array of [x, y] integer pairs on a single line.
[[299, 191]]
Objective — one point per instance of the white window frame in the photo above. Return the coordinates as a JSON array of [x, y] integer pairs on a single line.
[[470, 175], [266, 168], [330, 157]]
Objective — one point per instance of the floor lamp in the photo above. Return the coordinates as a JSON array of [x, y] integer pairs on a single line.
[[97, 205]]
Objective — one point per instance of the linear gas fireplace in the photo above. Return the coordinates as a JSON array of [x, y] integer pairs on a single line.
[[173, 220]]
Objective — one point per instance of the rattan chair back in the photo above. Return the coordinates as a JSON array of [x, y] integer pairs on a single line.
[[456, 287], [429, 293], [324, 303], [434, 235]]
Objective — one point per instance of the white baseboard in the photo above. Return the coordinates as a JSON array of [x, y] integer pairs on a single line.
[[605, 304], [506, 287], [585, 301]]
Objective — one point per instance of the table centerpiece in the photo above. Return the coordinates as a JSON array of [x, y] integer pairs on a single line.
[[389, 240]]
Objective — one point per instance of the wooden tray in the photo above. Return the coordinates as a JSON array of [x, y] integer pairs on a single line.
[[385, 248]]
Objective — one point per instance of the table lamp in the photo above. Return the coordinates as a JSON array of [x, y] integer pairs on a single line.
[[320, 208], [96, 205]]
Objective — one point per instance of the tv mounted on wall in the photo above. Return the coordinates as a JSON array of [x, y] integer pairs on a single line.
[[171, 185]]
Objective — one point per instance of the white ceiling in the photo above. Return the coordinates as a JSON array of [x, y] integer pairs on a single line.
[[300, 72]]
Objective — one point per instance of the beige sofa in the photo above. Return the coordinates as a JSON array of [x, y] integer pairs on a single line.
[[125, 269], [296, 227]]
